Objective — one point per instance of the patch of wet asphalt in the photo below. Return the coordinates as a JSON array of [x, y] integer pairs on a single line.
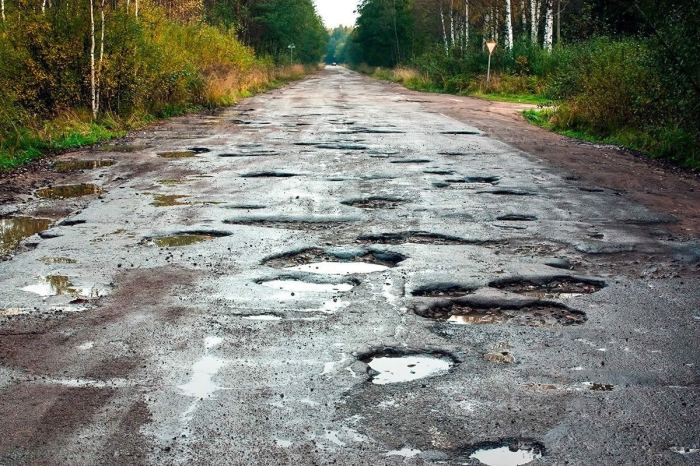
[[371, 283]]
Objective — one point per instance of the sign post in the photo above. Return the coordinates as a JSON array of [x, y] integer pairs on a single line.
[[291, 48], [491, 45]]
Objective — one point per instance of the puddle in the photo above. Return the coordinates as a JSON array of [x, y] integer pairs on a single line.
[[182, 154], [550, 288], [14, 229], [300, 286], [374, 202], [122, 148], [415, 237], [474, 133], [482, 179], [168, 200], [318, 261], [407, 161], [517, 218], [515, 454], [68, 191], [199, 150], [268, 174], [202, 385], [171, 182], [442, 290], [58, 285], [186, 238], [541, 314], [76, 165], [392, 366]]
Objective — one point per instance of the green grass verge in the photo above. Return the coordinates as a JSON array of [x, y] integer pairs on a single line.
[[662, 143], [533, 99]]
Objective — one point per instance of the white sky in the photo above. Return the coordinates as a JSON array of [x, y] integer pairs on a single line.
[[337, 12]]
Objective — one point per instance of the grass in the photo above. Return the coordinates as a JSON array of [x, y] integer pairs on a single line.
[[533, 99], [663, 143], [76, 129]]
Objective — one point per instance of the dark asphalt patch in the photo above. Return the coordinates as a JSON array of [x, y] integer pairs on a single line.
[[507, 192], [517, 218], [535, 314], [68, 191], [375, 202]]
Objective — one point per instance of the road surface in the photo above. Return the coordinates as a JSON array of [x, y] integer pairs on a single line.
[[342, 271]]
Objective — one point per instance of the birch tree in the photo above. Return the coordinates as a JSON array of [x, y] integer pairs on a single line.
[[466, 24], [2, 8], [509, 26], [549, 25], [534, 20], [93, 83], [444, 30]]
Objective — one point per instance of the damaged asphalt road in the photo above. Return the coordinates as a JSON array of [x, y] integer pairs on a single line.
[[335, 272]]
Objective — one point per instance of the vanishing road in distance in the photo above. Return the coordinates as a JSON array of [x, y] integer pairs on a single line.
[[343, 271]]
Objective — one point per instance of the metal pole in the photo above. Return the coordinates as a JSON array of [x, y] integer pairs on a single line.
[[488, 73]]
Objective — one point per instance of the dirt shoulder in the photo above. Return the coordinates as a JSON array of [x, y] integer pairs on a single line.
[[663, 189]]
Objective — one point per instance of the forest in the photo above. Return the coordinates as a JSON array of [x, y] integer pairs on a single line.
[[618, 71], [74, 72]]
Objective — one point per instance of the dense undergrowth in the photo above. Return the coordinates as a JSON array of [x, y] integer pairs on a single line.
[[602, 90], [152, 67]]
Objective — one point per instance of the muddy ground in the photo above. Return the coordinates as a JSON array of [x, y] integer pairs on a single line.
[[343, 271]]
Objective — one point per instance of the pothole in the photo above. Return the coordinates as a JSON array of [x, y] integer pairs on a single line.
[[507, 453], [412, 161], [293, 223], [442, 290], [268, 174], [517, 218], [319, 261], [374, 202], [487, 179], [551, 287], [168, 200], [460, 132], [415, 237], [253, 152], [68, 191], [507, 192], [182, 154], [199, 150], [77, 165], [342, 146], [390, 366], [58, 285], [297, 285], [14, 229], [186, 238], [538, 314], [439, 172]]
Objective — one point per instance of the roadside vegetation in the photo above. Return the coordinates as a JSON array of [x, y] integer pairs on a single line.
[[625, 72], [76, 73]]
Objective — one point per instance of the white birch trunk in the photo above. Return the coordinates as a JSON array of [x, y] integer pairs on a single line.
[[509, 26], [43, 7], [466, 24], [444, 30], [2, 8], [549, 25], [523, 12], [534, 20], [102, 54], [452, 22], [136, 8], [93, 87]]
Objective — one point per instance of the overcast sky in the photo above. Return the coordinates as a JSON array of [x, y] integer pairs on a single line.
[[337, 12]]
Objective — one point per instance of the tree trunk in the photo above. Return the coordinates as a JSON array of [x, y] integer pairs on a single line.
[[509, 26], [549, 25], [523, 16], [452, 22], [466, 24], [534, 20], [102, 54], [444, 31], [558, 21], [93, 93], [136, 8], [2, 8]]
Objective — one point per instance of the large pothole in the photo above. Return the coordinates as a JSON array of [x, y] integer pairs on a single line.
[[375, 202], [416, 237], [64, 166], [442, 290], [391, 365], [533, 314], [304, 223], [338, 262], [185, 238], [268, 174], [550, 287], [68, 191], [14, 229], [311, 284], [507, 452]]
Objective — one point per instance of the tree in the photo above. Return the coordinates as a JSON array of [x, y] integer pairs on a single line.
[[549, 25], [509, 27]]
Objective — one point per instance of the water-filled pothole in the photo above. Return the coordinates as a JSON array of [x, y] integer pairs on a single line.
[[295, 285], [550, 287], [415, 237], [517, 218], [76, 165], [488, 179], [507, 192], [186, 238], [507, 453], [14, 229], [374, 202], [439, 172], [199, 150], [537, 314], [411, 161], [460, 132], [268, 174], [319, 261], [168, 200], [58, 285], [68, 191], [442, 290], [181, 154], [397, 366]]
